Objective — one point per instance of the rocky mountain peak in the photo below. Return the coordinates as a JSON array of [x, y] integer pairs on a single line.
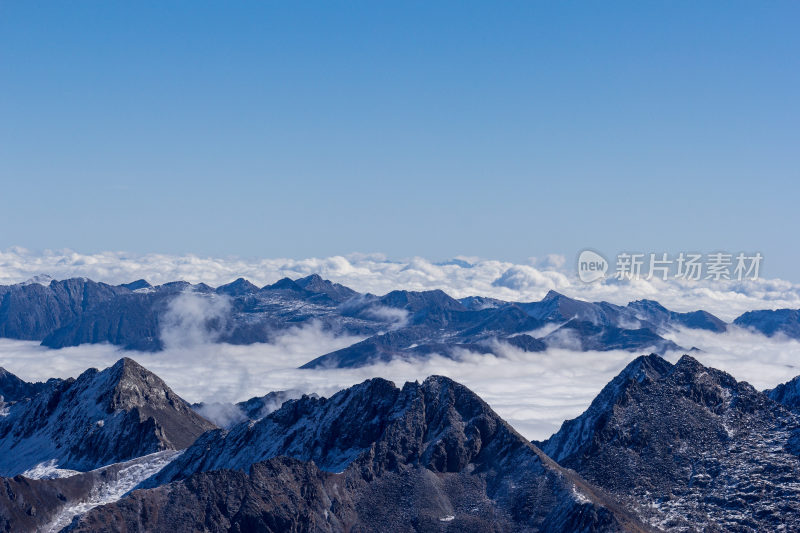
[[418, 300], [318, 285], [787, 394], [284, 284], [645, 367], [137, 285], [130, 386], [708, 386], [692, 436], [647, 304], [11, 387], [238, 287], [101, 417], [438, 424], [312, 282], [40, 279], [553, 295]]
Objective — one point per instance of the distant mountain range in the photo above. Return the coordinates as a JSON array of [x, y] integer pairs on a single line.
[[400, 324], [663, 447]]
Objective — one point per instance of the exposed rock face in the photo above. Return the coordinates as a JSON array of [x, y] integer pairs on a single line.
[[439, 324], [30, 504], [787, 394], [13, 389], [429, 456], [579, 433], [99, 418], [239, 287], [772, 322], [135, 318], [527, 343], [32, 311], [689, 447], [316, 285], [283, 494], [129, 320], [439, 424]]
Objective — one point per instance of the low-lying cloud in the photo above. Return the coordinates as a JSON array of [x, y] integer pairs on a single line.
[[222, 414], [192, 319], [534, 392]]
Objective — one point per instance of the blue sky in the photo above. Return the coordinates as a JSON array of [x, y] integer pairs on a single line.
[[502, 130]]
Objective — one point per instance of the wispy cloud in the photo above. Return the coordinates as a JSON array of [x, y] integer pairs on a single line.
[[193, 319]]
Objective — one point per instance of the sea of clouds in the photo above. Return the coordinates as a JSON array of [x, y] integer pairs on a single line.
[[535, 392], [377, 274]]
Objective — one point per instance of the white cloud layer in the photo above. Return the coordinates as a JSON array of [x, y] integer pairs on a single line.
[[376, 274], [534, 392]]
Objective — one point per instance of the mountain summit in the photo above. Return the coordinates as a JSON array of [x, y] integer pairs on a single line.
[[374, 457], [101, 417], [688, 447]]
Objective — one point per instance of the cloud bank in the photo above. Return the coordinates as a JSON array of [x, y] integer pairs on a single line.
[[376, 274], [535, 392]]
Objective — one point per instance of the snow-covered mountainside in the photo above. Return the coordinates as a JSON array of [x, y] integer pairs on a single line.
[[689, 448], [102, 417], [49, 505]]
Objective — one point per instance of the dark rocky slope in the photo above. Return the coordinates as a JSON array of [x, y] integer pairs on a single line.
[[689, 447], [101, 417], [427, 457], [772, 322]]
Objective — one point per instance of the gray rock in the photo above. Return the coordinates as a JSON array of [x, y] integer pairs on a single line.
[[121, 413], [689, 448]]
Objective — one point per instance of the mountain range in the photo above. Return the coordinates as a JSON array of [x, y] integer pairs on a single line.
[[400, 324], [663, 447]]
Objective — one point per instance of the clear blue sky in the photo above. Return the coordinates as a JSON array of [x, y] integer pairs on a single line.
[[504, 130]]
